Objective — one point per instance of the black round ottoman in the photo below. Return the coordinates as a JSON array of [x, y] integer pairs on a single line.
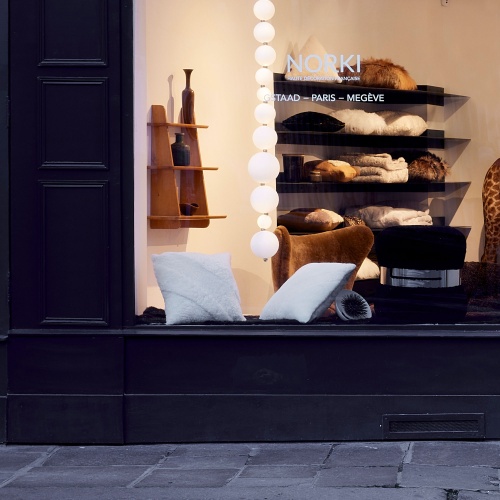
[[420, 275]]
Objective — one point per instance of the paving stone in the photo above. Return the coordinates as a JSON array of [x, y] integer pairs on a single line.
[[15, 460], [211, 457], [211, 449], [108, 455], [192, 478], [358, 476], [283, 471], [76, 477], [456, 478], [475, 495], [456, 453], [289, 454], [292, 493], [367, 454], [32, 448], [5, 475], [270, 482], [275, 476]]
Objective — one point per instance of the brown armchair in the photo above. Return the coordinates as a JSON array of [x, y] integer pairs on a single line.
[[347, 245]]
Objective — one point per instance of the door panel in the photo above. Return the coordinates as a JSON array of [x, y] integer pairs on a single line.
[[64, 265], [82, 25], [74, 123], [68, 116]]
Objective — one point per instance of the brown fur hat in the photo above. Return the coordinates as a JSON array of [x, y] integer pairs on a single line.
[[383, 73]]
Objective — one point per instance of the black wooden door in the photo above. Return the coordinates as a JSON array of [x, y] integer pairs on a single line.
[[71, 163], [4, 170]]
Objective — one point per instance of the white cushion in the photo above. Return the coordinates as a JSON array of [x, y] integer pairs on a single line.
[[197, 287], [358, 121], [401, 123], [368, 270], [308, 293]]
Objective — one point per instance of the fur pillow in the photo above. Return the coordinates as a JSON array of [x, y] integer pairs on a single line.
[[383, 73], [350, 220], [401, 123], [424, 166], [358, 121], [311, 220], [332, 170]]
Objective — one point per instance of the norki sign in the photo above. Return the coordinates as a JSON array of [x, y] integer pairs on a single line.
[[328, 63]]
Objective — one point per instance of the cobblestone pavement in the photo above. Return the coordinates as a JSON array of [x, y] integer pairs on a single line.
[[436, 470]]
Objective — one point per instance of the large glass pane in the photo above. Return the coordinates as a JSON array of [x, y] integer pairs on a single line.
[[387, 141]]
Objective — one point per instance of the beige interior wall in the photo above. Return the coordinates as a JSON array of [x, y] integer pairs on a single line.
[[215, 39], [454, 47]]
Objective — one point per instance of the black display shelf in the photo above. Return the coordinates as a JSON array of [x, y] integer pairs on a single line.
[[425, 94], [364, 187], [430, 139]]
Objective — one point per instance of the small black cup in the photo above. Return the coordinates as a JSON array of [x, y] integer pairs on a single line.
[[293, 167]]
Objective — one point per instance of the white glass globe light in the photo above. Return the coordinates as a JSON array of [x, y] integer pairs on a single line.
[[264, 76], [265, 137], [264, 244], [264, 94], [264, 221], [264, 199], [264, 32], [265, 55], [263, 167], [264, 10], [265, 113]]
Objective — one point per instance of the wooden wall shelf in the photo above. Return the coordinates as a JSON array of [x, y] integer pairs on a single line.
[[171, 184]]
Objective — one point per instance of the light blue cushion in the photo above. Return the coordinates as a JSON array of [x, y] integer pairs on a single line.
[[308, 293], [197, 287]]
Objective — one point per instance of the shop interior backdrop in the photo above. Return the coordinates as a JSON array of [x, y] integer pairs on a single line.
[[454, 47]]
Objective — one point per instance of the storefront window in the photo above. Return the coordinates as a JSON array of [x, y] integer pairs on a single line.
[[386, 141]]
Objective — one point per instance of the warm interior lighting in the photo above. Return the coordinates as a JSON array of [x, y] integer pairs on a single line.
[[264, 76], [263, 10], [264, 199], [264, 244], [265, 137], [265, 55], [264, 167], [265, 113], [264, 32]]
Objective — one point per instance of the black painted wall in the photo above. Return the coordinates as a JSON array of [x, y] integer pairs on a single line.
[[71, 139]]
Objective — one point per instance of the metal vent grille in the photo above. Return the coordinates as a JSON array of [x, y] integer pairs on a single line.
[[434, 426]]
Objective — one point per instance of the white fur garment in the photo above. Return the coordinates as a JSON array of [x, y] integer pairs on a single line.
[[382, 160], [377, 174], [379, 217]]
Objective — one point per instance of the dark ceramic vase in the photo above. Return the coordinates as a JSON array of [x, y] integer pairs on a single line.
[[181, 153], [188, 208], [188, 102]]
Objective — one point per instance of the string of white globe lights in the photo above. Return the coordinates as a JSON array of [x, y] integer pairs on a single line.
[[264, 167]]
